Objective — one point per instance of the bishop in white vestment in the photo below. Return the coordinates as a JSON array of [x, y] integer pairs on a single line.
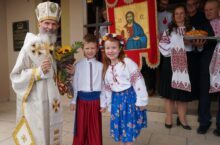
[[38, 98]]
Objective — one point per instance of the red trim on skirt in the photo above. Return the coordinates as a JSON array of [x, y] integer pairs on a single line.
[[89, 123]]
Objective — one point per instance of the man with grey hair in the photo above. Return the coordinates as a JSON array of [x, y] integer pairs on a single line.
[[209, 69], [34, 80]]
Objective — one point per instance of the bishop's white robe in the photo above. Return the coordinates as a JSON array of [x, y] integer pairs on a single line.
[[42, 107]]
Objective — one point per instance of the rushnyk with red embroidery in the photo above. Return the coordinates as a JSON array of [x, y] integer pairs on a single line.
[[172, 45]]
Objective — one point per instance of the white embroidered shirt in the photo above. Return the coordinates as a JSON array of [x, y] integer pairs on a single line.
[[120, 77], [87, 77]]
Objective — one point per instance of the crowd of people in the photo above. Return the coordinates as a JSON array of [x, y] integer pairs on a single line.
[[187, 65], [189, 71]]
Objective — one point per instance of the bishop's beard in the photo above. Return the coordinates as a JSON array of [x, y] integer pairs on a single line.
[[48, 36]]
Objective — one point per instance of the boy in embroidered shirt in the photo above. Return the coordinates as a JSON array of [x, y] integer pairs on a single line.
[[87, 88]]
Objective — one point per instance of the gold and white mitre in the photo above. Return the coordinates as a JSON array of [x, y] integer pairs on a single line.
[[48, 10]]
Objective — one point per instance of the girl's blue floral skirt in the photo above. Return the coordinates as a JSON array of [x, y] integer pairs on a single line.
[[126, 118]]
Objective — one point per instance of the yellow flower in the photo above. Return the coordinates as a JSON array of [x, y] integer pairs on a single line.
[[104, 38], [64, 49]]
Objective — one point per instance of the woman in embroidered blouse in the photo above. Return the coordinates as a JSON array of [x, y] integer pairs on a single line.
[[175, 84], [124, 93]]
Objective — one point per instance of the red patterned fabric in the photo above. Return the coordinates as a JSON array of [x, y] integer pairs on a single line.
[[216, 26], [214, 89], [181, 86], [107, 87], [215, 62], [135, 76], [215, 71], [165, 39], [89, 123], [111, 1], [179, 66], [114, 75], [179, 60]]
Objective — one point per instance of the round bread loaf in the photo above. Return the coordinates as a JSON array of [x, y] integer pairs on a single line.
[[196, 33]]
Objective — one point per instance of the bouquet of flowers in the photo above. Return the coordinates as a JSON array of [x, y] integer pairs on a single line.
[[65, 56]]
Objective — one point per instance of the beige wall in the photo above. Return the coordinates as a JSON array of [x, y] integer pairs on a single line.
[[17, 10], [77, 20], [4, 74], [65, 22]]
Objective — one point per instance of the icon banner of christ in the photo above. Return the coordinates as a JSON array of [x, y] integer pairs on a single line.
[[135, 15], [136, 20]]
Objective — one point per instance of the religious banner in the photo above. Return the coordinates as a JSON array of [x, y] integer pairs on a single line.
[[136, 20]]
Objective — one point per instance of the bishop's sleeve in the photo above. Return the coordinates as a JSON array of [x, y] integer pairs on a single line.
[[138, 83], [165, 45], [23, 75]]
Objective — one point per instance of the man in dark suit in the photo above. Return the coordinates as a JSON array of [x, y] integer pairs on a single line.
[[197, 18], [211, 9]]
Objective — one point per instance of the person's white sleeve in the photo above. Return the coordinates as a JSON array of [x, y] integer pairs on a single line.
[[165, 45], [103, 99], [75, 85], [106, 96], [138, 83]]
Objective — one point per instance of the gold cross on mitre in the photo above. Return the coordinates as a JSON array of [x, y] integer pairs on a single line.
[[56, 105]]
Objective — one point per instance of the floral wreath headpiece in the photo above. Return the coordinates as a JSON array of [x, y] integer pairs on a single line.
[[114, 36]]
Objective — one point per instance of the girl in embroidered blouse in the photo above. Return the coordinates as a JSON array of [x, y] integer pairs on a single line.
[[175, 85], [124, 92]]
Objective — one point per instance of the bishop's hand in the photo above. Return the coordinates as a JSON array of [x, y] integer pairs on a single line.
[[46, 65], [72, 107]]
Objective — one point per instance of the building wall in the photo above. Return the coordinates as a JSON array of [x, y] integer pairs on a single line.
[[4, 73], [65, 22], [17, 10], [77, 20]]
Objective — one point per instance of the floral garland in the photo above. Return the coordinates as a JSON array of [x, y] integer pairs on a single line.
[[128, 1], [114, 36], [111, 5]]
